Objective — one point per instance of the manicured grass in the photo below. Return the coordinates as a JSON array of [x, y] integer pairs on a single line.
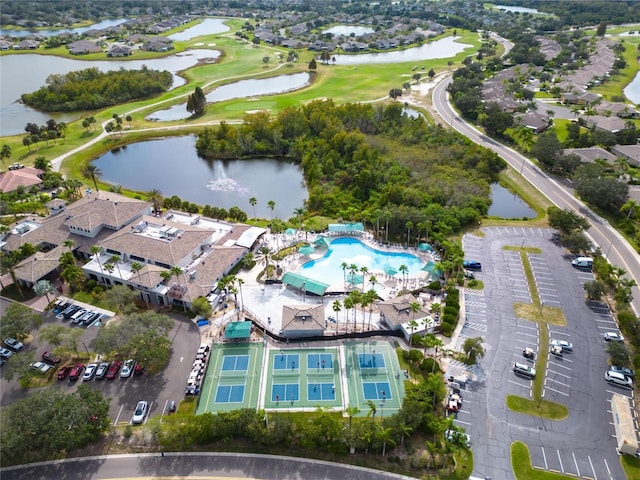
[[543, 409], [551, 315], [88, 298], [522, 469], [475, 284], [631, 467], [520, 249], [12, 292]]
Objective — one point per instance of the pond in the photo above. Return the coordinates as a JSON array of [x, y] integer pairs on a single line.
[[26, 73], [243, 88], [511, 8], [209, 26], [507, 204], [57, 31], [172, 166], [411, 113], [443, 48], [632, 91], [347, 30]]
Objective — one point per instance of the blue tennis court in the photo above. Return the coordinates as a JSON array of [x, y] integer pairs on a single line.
[[285, 361], [285, 392], [371, 360], [320, 361], [321, 391], [376, 390], [230, 394], [235, 363]]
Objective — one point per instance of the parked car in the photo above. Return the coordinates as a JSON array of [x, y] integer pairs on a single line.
[[89, 372], [15, 166], [114, 368], [172, 406], [41, 367], [140, 412], [5, 352], [75, 372], [472, 265], [51, 358], [618, 379], [94, 317], [582, 262], [101, 371], [623, 370], [63, 372], [127, 368], [13, 344], [613, 337], [563, 344], [529, 353], [525, 370], [138, 369]]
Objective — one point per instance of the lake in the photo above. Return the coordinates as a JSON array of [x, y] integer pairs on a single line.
[[243, 88], [209, 26], [511, 8], [443, 48], [15, 80], [507, 204], [347, 30], [632, 91], [57, 31], [172, 166]]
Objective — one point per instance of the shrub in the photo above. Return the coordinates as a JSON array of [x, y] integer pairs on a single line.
[[416, 355], [430, 365], [406, 356], [450, 319], [435, 285], [447, 329], [450, 310]]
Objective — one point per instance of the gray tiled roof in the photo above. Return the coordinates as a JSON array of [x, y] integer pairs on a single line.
[[38, 265], [303, 317], [398, 311]]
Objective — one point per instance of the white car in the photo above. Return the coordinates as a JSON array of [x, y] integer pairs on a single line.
[[13, 344], [41, 367], [563, 344], [140, 412], [619, 379], [89, 372], [525, 370], [127, 368], [613, 337]]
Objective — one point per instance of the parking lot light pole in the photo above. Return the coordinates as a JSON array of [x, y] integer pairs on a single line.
[[540, 401]]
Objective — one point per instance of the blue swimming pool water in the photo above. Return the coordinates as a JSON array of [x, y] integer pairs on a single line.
[[350, 250]]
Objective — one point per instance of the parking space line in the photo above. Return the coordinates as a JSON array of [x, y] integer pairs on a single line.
[[525, 342], [527, 327], [605, 321], [561, 366], [544, 457], [527, 334], [460, 421], [576, 462], [558, 373], [118, 416], [560, 459], [557, 391], [620, 393], [553, 332], [519, 384], [592, 469], [555, 381]]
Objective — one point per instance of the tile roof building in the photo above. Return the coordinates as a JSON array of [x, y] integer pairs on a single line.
[[26, 177]]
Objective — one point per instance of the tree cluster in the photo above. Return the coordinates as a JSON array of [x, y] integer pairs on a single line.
[[571, 228], [370, 162], [91, 89], [51, 423], [196, 102]]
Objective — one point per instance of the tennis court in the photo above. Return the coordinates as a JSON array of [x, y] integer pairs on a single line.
[[320, 360], [285, 392], [235, 363], [376, 390], [286, 361], [321, 391], [371, 360], [230, 394]]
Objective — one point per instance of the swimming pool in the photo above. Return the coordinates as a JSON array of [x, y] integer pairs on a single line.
[[327, 269]]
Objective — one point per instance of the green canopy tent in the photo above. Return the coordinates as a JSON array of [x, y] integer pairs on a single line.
[[307, 250], [303, 283], [355, 279], [389, 270], [237, 331], [322, 241], [431, 268], [290, 231], [425, 247]]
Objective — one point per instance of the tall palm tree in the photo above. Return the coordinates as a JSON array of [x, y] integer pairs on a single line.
[[405, 272], [109, 267], [69, 244], [155, 196], [364, 270], [166, 276], [177, 271], [263, 255], [5, 153], [136, 267], [253, 201], [91, 172], [373, 409], [337, 306], [348, 305], [371, 296], [415, 308], [96, 250], [272, 205], [409, 227], [299, 212], [344, 266], [115, 260]]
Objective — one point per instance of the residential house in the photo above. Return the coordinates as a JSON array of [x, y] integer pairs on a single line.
[[25, 177], [533, 120], [27, 45], [631, 153], [82, 47], [119, 51], [605, 124], [590, 154]]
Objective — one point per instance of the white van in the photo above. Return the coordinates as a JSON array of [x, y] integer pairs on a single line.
[[75, 318], [582, 262]]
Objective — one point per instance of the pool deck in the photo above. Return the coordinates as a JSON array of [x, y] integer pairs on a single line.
[[265, 302]]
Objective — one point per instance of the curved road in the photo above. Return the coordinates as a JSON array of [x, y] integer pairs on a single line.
[[613, 245], [199, 465]]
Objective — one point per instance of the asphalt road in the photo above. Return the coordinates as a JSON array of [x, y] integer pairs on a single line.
[[207, 465], [614, 246]]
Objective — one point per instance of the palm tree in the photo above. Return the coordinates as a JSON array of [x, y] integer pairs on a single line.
[[5, 153], [155, 196], [355, 297], [177, 271], [299, 212], [264, 256], [96, 250], [337, 306], [166, 276], [69, 244], [630, 207], [412, 324], [405, 272], [240, 282], [373, 409], [253, 202], [109, 267], [409, 227], [272, 205], [136, 267], [91, 172], [115, 259], [371, 296], [364, 270], [348, 305], [344, 266]]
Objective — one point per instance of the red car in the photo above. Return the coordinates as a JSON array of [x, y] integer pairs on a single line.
[[76, 372], [114, 368], [63, 372], [138, 369], [51, 358]]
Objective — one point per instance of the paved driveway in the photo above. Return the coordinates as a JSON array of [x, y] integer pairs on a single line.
[[581, 445]]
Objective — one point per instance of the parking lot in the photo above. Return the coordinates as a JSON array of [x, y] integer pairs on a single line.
[[124, 393], [583, 445]]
